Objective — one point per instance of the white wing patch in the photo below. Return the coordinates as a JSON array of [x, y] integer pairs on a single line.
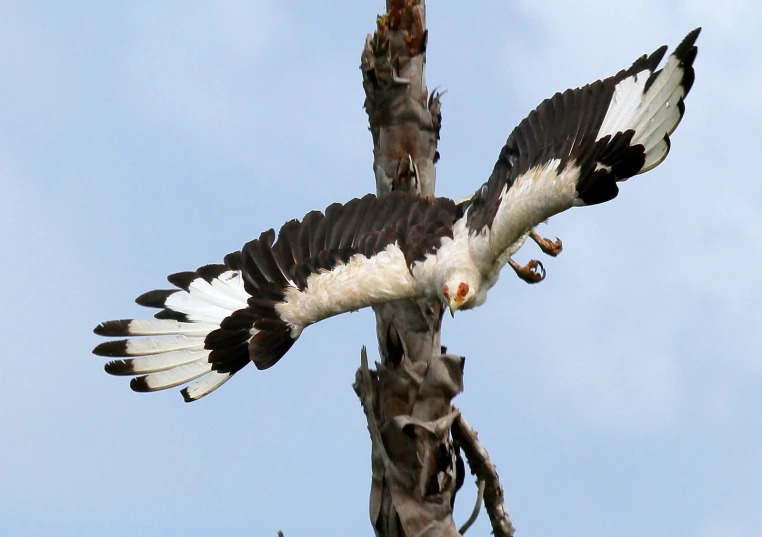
[[357, 284], [170, 353], [176, 376], [206, 385], [627, 98], [196, 307], [152, 363], [158, 345], [653, 115], [153, 327], [534, 197]]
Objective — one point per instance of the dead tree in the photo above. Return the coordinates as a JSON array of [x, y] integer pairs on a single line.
[[417, 435]]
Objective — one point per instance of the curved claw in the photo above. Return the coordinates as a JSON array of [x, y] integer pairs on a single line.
[[549, 247], [532, 272]]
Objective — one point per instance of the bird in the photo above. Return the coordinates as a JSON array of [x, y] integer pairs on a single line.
[[572, 150]]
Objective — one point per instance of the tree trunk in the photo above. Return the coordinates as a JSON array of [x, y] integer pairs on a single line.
[[417, 467], [414, 460]]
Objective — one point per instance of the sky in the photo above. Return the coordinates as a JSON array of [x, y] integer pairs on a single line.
[[621, 396]]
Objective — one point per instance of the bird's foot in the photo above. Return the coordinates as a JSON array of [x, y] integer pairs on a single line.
[[549, 247], [532, 272]]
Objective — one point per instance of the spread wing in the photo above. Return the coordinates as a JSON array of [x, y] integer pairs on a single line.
[[575, 147], [254, 306]]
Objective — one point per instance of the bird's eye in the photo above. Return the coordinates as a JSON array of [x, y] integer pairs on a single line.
[[446, 292], [462, 290]]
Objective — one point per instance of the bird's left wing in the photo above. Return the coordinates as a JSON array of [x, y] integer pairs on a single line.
[[574, 147]]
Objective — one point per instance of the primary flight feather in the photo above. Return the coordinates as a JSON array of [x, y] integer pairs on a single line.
[[572, 150]]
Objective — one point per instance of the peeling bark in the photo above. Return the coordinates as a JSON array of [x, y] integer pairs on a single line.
[[412, 457]]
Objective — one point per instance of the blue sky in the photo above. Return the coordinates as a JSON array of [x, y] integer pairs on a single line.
[[619, 397]]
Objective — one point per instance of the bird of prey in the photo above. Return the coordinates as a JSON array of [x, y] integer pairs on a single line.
[[571, 151]]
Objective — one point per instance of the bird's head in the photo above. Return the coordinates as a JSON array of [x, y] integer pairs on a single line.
[[460, 292]]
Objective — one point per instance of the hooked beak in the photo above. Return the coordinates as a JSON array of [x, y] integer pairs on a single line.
[[454, 306]]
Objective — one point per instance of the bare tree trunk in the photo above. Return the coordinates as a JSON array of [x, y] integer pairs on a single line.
[[414, 462], [416, 465]]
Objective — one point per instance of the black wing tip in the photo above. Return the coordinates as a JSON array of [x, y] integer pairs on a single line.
[[186, 396], [686, 53], [119, 368], [681, 111], [116, 328], [139, 384], [112, 349], [686, 50], [234, 260], [691, 38], [291, 225], [155, 299], [267, 237], [210, 272], [172, 315], [653, 61], [182, 280]]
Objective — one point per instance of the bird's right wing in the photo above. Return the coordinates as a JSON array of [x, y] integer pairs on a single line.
[[574, 147], [254, 306]]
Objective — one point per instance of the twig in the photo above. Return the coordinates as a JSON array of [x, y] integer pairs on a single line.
[[477, 507], [366, 392], [482, 467]]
